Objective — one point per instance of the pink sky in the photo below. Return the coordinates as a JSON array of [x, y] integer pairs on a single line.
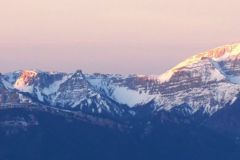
[[112, 36]]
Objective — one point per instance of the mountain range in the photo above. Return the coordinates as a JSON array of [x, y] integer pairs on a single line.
[[189, 112]]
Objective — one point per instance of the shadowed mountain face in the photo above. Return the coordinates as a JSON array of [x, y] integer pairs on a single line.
[[190, 112], [36, 134]]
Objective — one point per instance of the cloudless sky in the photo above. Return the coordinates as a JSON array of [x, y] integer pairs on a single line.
[[112, 36]]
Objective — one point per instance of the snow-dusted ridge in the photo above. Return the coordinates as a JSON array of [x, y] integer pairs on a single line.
[[219, 54], [208, 80]]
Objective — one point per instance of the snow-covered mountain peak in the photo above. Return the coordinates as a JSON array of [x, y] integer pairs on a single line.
[[214, 56], [78, 75], [24, 81]]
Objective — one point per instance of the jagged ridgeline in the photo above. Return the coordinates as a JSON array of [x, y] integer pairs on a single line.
[[207, 81], [192, 108]]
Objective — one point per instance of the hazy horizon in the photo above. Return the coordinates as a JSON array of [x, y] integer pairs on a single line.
[[112, 36]]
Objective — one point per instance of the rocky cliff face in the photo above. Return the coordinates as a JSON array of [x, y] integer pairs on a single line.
[[10, 97]]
